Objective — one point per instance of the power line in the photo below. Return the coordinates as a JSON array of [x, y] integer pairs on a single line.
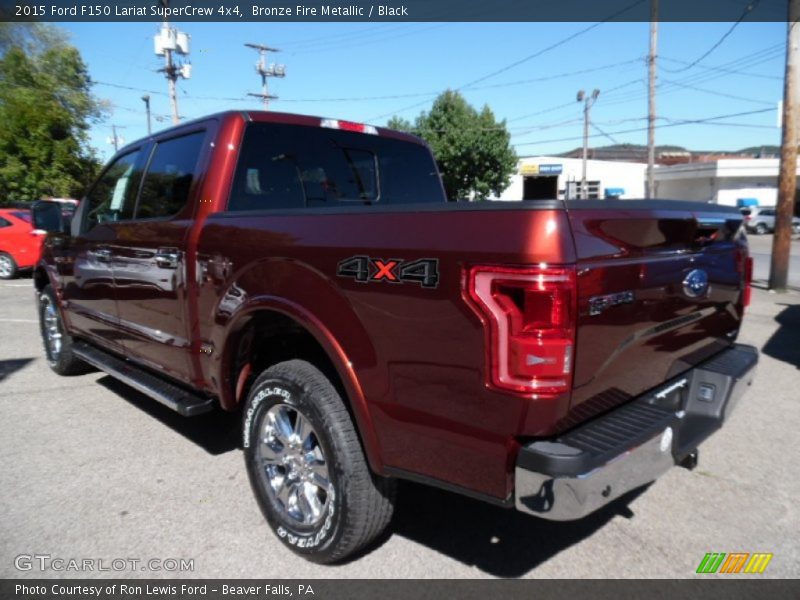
[[523, 60], [717, 93], [553, 46], [386, 96], [604, 134], [749, 7], [755, 59], [676, 123], [724, 70], [690, 79]]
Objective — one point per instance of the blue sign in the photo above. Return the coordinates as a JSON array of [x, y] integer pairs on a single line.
[[550, 169]]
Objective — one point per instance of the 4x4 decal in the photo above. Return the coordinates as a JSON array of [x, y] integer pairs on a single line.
[[365, 269]]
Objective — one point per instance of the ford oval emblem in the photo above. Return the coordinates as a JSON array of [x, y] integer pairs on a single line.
[[695, 284]]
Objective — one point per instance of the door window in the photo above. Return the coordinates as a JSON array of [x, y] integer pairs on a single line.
[[169, 176], [113, 196]]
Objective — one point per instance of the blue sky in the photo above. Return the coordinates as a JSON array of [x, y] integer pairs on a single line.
[[347, 70]]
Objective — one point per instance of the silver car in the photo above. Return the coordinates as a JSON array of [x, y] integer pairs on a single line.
[[762, 220]]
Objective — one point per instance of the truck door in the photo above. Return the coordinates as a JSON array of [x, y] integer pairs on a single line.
[[150, 258], [88, 291]]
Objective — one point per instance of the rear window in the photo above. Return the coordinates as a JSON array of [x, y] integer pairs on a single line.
[[291, 166], [23, 215]]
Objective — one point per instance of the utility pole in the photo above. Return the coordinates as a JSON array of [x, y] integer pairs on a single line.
[[168, 41], [588, 101], [651, 101], [266, 71], [146, 99], [115, 140], [787, 177]]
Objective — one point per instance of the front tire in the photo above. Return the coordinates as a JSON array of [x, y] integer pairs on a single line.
[[57, 343], [8, 266], [306, 466], [761, 229]]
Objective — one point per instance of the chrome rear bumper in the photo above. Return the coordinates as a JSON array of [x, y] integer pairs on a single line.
[[577, 473]]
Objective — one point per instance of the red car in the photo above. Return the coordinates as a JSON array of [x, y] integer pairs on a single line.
[[20, 243]]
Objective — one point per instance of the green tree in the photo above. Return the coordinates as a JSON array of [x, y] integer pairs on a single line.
[[472, 148], [46, 108]]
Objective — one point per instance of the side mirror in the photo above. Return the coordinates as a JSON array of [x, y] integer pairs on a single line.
[[47, 216]]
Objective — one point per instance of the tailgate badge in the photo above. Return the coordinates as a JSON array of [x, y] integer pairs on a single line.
[[695, 284], [598, 304]]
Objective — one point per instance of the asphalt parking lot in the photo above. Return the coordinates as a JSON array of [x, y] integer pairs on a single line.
[[761, 251], [92, 469]]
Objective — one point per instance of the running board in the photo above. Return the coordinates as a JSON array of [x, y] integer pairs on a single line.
[[181, 401]]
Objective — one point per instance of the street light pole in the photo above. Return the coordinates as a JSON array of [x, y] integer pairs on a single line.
[[588, 101], [146, 99]]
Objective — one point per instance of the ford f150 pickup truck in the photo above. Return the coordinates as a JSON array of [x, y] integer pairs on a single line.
[[310, 273]]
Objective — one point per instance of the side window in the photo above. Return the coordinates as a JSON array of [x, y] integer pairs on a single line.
[[284, 166], [4, 223], [112, 197], [169, 176], [269, 174]]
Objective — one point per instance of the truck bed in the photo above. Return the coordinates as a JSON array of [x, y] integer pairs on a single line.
[[418, 353]]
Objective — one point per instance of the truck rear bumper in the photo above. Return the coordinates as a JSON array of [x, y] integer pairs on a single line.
[[588, 467]]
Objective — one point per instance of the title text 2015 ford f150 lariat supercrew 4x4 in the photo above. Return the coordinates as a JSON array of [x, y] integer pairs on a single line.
[[548, 355]]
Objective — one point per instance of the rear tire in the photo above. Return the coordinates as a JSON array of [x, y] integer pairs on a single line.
[[57, 343], [8, 266], [306, 466], [760, 229]]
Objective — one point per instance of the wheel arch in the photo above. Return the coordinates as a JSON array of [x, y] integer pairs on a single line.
[[271, 329]]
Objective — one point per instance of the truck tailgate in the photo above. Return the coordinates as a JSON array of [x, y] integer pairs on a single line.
[[660, 289]]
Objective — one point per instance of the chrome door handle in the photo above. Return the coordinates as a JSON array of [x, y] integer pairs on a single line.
[[103, 254], [168, 258]]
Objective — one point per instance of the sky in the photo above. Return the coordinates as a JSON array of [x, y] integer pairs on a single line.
[[366, 72]]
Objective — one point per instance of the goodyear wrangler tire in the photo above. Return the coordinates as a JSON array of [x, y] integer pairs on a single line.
[[306, 466]]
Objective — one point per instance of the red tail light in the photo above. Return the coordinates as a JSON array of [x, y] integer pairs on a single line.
[[530, 317], [744, 266], [748, 281]]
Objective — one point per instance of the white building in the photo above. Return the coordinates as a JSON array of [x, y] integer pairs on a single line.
[[549, 177], [726, 181]]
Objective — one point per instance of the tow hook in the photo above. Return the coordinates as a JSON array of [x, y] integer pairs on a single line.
[[690, 460]]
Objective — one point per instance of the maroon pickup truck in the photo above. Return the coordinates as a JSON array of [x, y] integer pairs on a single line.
[[310, 273]]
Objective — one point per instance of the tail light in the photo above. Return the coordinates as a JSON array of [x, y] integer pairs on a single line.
[[529, 314], [744, 266], [748, 281]]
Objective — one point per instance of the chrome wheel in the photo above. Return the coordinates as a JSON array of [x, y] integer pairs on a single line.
[[6, 267], [50, 328], [293, 466]]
